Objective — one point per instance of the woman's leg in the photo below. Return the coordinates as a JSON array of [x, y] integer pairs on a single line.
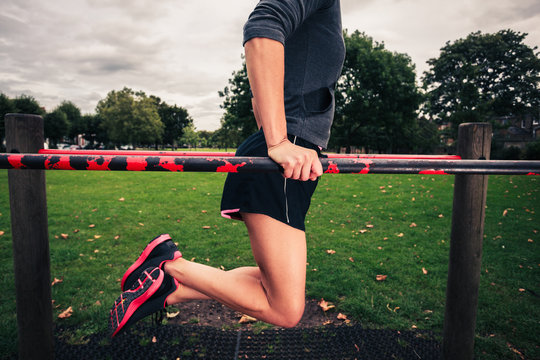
[[272, 292]]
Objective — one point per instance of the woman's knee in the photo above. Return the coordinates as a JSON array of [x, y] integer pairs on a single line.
[[292, 314]]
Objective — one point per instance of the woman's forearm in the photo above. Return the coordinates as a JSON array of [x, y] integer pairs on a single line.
[[265, 64]]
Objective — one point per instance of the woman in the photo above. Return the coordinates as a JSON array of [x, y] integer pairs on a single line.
[[294, 52]]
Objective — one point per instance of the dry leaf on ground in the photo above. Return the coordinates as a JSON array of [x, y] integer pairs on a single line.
[[325, 305], [246, 319], [66, 313], [381, 277]]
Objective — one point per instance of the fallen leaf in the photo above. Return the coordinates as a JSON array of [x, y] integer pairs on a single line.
[[97, 236], [412, 225], [400, 235], [246, 319], [381, 277], [172, 315], [327, 322], [56, 281], [331, 252], [96, 251], [521, 290], [441, 215], [91, 226], [424, 271], [94, 210], [76, 231], [2, 233], [154, 340], [204, 211], [530, 240], [341, 316], [505, 212], [117, 237], [66, 313], [64, 236], [515, 350], [369, 226], [351, 259], [206, 227], [121, 199], [141, 224], [325, 305], [97, 303]]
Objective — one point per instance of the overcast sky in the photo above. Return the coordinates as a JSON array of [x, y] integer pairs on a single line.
[[184, 51]]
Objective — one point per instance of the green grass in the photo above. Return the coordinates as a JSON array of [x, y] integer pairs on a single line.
[[394, 225]]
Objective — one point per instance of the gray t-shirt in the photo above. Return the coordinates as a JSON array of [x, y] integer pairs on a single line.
[[314, 53]]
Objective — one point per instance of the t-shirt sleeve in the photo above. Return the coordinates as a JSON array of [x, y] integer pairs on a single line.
[[277, 19]]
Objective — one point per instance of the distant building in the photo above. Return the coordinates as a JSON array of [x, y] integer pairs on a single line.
[[516, 131]]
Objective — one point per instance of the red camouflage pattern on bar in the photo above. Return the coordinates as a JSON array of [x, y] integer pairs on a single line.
[[260, 164]]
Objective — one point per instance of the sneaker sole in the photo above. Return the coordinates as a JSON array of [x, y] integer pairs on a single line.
[[144, 255], [134, 298]]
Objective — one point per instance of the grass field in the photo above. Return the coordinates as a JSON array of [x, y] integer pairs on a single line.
[[359, 226]]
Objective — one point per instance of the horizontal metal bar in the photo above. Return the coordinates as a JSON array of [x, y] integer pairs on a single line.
[[260, 164], [225, 154]]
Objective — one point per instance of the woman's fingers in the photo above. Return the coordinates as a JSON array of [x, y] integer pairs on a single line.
[[298, 163]]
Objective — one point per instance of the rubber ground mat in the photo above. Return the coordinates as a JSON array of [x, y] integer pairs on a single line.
[[198, 342]]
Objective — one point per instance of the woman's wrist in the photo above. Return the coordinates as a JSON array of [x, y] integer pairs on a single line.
[[273, 146]]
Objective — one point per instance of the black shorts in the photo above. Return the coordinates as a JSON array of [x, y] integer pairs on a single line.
[[270, 194]]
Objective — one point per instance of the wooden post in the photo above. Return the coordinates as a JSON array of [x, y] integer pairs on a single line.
[[466, 245], [31, 260]]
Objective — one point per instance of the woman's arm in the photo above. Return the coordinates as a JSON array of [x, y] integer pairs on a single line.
[[265, 61]]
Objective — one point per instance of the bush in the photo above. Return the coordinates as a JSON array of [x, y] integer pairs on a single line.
[[532, 151], [511, 153]]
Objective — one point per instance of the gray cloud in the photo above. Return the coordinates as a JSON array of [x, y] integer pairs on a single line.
[[185, 51]]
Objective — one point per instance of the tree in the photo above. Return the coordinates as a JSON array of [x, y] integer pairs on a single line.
[[6, 107], [482, 76], [238, 117], [95, 133], [376, 98], [223, 138], [130, 117], [56, 126], [75, 120], [174, 118], [26, 104], [190, 136]]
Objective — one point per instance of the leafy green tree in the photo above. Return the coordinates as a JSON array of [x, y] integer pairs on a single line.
[[376, 98], [238, 117], [205, 137], [6, 107], [175, 119], [26, 104], [74, 117], [130, 117], [482, 76], [94, 132], [224, 138], [56, 126], [190, 136]]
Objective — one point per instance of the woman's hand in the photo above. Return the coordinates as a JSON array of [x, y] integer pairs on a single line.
[[298, 163]]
